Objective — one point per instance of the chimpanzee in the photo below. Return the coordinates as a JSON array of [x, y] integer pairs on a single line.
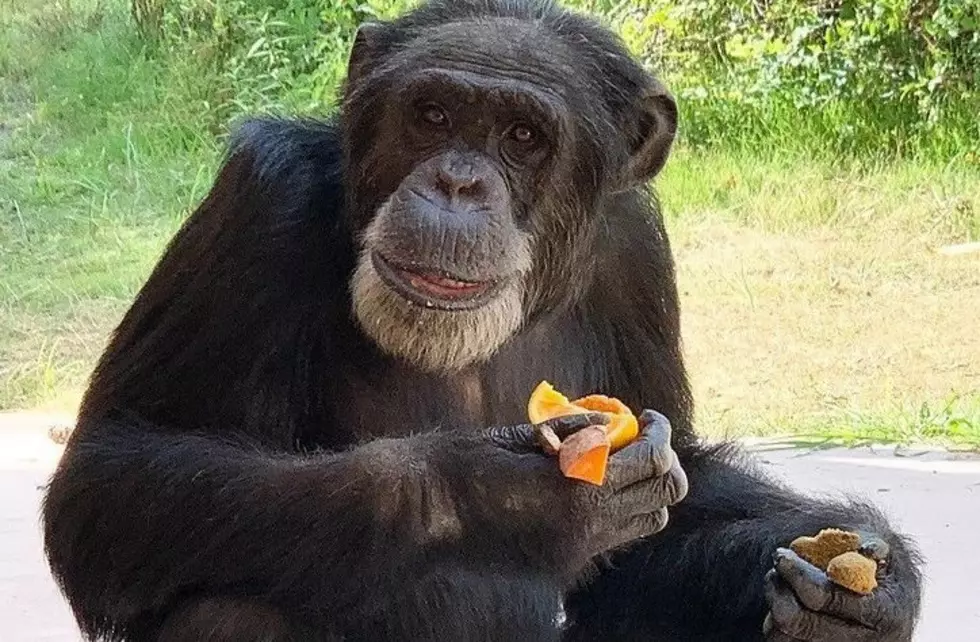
[[311, 424]]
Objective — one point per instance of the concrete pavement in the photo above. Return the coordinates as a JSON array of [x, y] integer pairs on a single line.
[[933, 496]]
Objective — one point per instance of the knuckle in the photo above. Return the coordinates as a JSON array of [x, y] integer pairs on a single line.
[[835, 601], [660, 519], [501, 436], [590, 498], [652, 523], [795, 622], [785, 611], [662, 458], [814, 597], [677, 485]]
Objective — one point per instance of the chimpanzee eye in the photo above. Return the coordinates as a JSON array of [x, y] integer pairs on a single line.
[[434, 115], [522, 133]]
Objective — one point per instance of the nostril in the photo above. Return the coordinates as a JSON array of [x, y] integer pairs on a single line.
[[472, 188], [452, 184]]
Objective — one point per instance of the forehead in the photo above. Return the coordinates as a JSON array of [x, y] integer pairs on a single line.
[[506, 52]]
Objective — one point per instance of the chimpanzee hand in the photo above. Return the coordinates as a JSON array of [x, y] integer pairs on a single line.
[[805, 605], [581, 520]]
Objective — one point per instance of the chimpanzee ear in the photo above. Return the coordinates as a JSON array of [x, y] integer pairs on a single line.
[[656, 128], [366, 50]]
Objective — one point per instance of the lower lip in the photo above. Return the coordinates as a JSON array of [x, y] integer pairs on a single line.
[[431, 290], [440, 287]]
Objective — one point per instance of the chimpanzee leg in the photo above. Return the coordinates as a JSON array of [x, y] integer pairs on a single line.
[[227, 620], [467, 606], [457, 605]]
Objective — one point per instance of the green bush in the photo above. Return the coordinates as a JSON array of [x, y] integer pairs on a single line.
[[852, 75], [260, 55], [855, 77]]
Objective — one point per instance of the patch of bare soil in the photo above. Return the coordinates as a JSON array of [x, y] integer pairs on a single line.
[[781, 328]]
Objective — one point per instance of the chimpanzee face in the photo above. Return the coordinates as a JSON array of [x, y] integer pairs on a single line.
[[472, 163]]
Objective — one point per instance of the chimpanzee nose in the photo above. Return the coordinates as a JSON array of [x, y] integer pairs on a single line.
[[458, 178]]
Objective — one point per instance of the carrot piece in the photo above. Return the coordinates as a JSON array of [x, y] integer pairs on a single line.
[[584, 455]]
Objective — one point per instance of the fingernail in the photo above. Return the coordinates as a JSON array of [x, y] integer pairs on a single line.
[[779, 555]]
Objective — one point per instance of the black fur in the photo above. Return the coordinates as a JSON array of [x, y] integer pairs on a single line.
[[235, 454]]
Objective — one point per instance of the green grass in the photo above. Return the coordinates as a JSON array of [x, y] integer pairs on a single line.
[[99, 162], [953, 424], [106, 146]]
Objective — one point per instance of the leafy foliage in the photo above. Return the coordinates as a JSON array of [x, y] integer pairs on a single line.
[[858, 75]]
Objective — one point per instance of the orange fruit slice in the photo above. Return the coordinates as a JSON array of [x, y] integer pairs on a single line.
[[622, 427], [547, 403], [585, 454]]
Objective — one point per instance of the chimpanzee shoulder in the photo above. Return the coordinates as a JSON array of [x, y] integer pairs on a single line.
[[280, 147]]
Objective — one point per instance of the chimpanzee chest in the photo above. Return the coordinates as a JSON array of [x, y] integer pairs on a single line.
[[398, 404], [398, 400]]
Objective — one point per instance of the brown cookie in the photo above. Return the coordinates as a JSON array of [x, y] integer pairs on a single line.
[[853, 571], [828, 544]]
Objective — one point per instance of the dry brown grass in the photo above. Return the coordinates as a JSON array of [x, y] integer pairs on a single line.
[[790, 320]]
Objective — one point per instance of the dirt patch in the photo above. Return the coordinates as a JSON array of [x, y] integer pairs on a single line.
[[781, 327]]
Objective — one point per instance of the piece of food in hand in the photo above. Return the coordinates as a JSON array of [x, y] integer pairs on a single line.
[[854, 571], [547, 439], [837, 552], [583, 455], [623, 427], [547, 403], [828, 544]]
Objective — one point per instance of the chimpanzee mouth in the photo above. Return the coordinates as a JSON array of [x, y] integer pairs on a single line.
[[434, 289]]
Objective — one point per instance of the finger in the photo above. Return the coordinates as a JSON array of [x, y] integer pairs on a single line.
[[518, 439], [656, 430], [666, 490], [675, 483], [639, 526], [875, 548], [810, 584], [792, 619], [649, 456], [817, 593], [571, 424], [523, 438], [645, 496]]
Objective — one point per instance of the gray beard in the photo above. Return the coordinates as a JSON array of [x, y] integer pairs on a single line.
[[434, 340]]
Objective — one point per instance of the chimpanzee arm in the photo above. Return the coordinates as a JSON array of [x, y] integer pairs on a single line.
[[137, 517], [705, 576]]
